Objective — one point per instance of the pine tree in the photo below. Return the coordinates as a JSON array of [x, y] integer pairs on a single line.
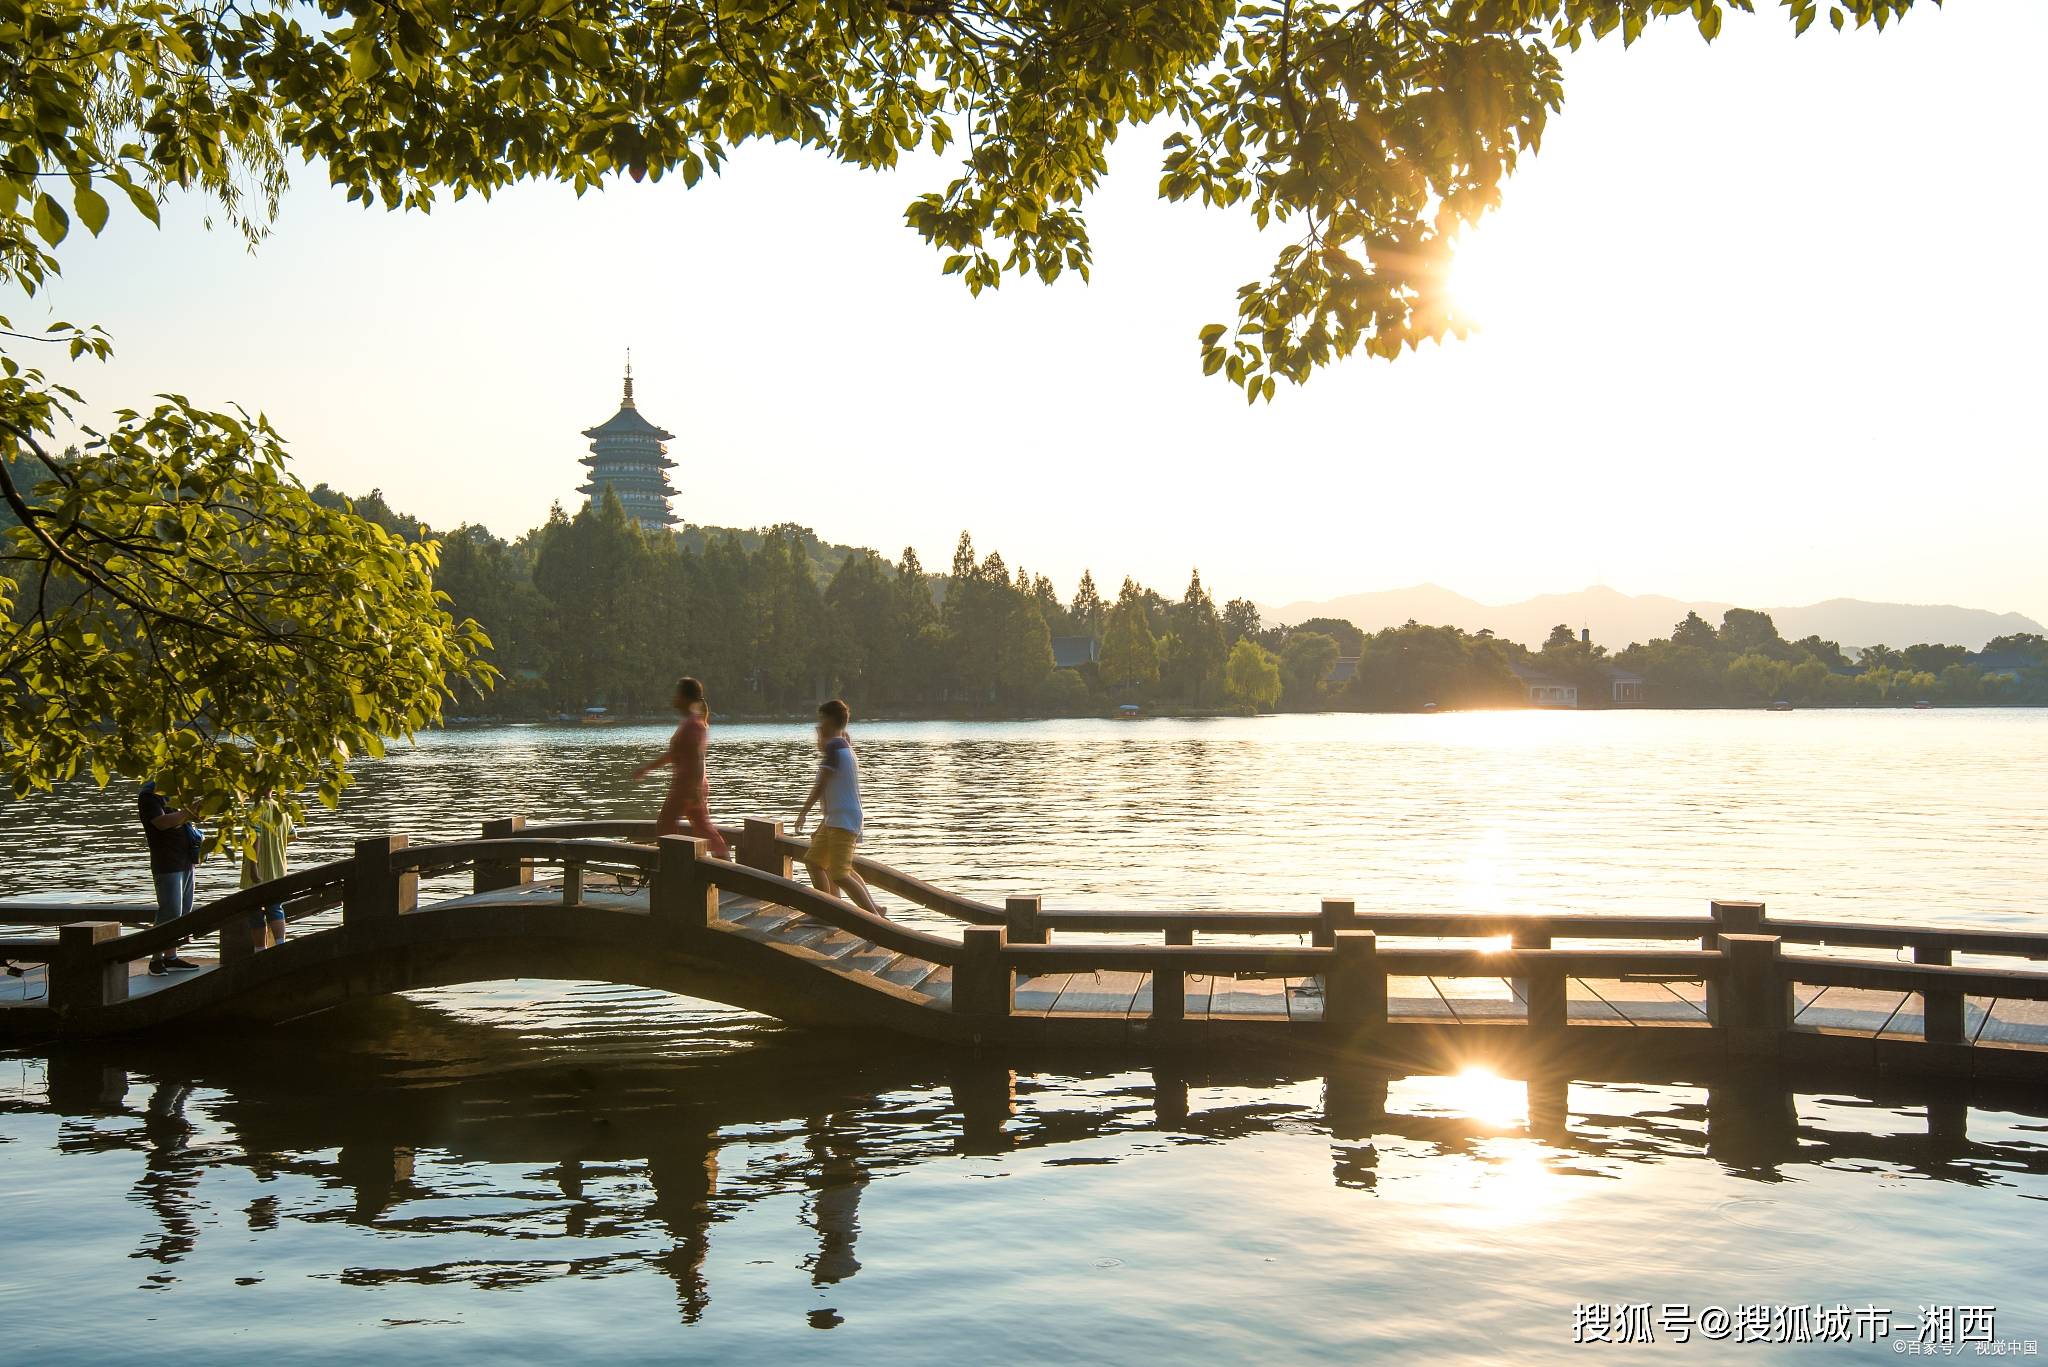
[[1086, 612]]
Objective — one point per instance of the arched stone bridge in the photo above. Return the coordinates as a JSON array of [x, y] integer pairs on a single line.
[[604, 901]]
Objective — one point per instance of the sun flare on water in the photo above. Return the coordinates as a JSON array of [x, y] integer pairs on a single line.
[[1485, 1096], [1509, 1178]]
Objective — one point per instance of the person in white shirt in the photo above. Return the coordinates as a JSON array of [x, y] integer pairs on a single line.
[[837, 793]]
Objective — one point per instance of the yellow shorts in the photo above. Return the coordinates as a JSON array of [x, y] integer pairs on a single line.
[[831, 851]]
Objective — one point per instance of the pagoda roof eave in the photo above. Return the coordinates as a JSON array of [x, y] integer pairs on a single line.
[[627, 422]]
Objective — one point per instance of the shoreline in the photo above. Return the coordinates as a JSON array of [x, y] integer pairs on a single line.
[[1201, 714]]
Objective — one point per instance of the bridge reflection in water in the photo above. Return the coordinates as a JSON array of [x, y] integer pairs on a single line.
[[645, 1159]]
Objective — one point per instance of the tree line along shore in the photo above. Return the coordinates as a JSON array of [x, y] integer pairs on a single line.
[[590, 611]]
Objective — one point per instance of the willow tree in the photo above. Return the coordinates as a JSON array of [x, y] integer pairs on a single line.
[[1367, 133]]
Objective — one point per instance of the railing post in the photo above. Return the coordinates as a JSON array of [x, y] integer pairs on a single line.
[[1941, 1012], [1180, 935], [1355, 990], [1169, 995], [1733, 918], [238, 940], [1754, 1006], [684, 899], [1020, 919], [761, 847], [375, 892], [1544, 991], [1529, 937], [495, 875], [79, 978], [982, 985], [572, 881], [1730, 918], [1335, 915]]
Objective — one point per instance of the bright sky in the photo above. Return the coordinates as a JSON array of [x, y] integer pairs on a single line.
[[1762, 324]]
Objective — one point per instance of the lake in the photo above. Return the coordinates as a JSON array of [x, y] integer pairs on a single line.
[[541, 1170]]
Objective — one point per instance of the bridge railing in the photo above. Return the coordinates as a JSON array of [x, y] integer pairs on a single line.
[[88, 960], [765, 845], [684, 862], [1027, 917], [1749, 979], [892, 880], [1355, 971]]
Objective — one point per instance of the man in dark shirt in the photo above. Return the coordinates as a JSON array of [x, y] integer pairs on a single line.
[[172, 857]]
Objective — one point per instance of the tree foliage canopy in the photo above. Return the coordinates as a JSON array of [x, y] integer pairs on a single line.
[[1252, 675], [1746, 662], [174, 605], [617, 613], [1130, 652], [1372, 132]]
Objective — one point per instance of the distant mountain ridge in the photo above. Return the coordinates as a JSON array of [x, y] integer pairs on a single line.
[[1617, 619]]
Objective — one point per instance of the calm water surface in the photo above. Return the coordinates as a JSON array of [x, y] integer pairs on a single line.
[[536, 1170]]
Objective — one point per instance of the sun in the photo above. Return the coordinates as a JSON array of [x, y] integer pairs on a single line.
[[1488, 282]]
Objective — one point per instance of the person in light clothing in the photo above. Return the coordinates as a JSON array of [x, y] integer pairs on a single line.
[[837, 794], [270, 830]]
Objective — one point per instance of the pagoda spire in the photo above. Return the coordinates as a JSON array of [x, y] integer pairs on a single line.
[[626, 400]]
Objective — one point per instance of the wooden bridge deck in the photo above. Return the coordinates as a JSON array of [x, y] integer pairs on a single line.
[[758, 940]]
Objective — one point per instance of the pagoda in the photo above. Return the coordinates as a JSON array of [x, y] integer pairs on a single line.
[[629, 456]]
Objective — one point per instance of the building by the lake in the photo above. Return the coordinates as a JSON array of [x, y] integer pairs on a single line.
[[1544, 688], [1617, 687], [1071, 652], [629, 456]]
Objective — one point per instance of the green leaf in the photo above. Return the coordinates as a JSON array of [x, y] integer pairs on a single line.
[[51, 220], [92, 209]]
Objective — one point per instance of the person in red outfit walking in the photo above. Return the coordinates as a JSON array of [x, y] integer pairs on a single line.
[[687, 809]]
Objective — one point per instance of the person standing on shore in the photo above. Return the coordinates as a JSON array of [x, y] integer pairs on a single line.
[[270, 830], [687, 809], [837, 791], [174, 845]]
